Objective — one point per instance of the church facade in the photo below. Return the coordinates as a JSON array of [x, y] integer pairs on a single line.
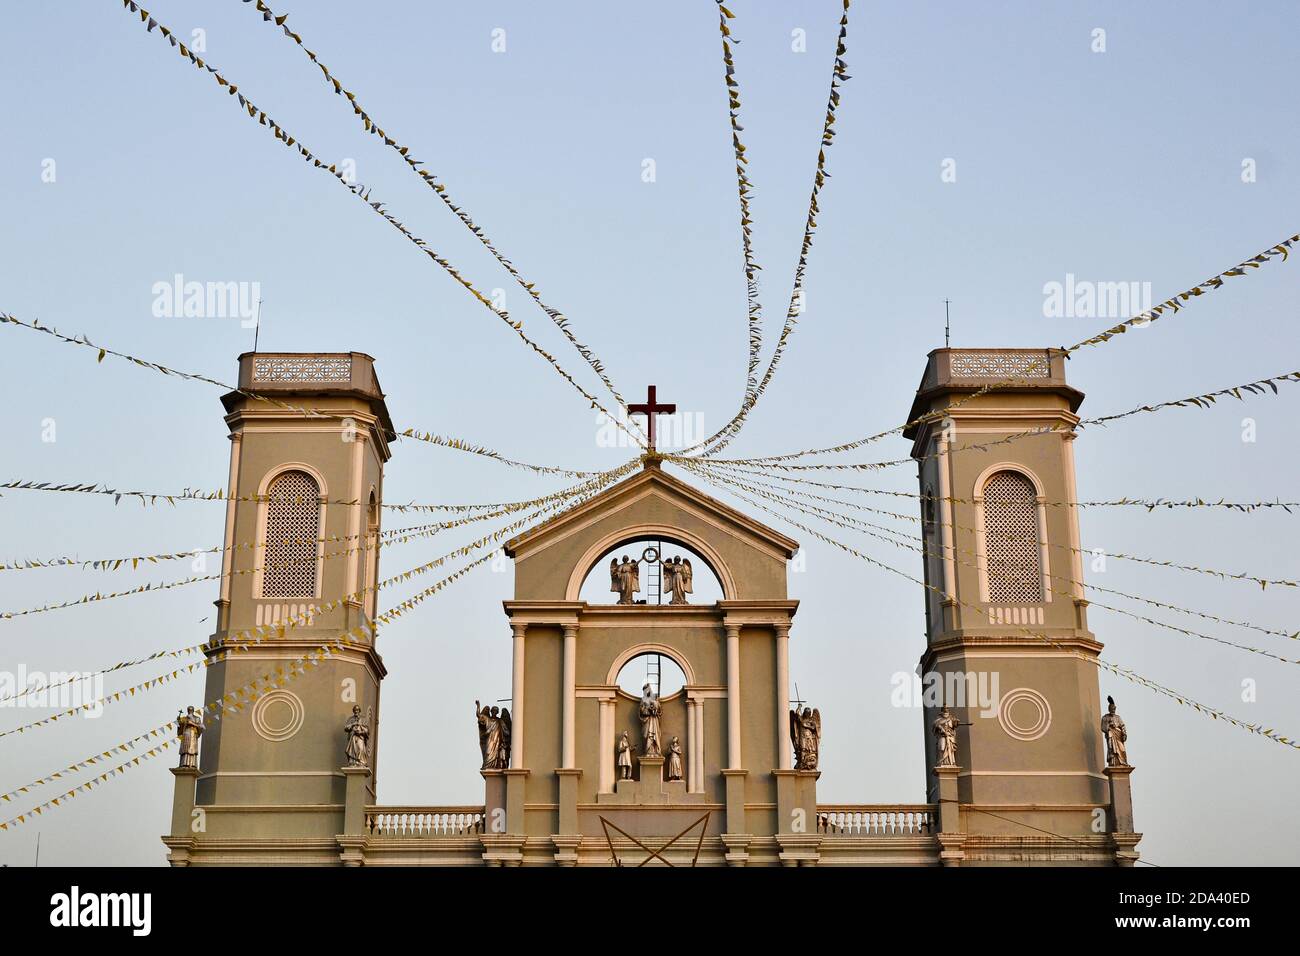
[[582, 770]]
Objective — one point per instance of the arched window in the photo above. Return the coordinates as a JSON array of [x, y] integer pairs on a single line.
[[1012, 545], [291, 552]]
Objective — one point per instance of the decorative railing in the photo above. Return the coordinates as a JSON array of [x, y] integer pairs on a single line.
[[290, 368], [423, 822], [1010, 363], [884, 821]]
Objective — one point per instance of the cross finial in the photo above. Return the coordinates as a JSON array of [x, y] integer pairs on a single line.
[[650, 408]]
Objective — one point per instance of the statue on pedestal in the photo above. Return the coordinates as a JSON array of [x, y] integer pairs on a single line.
[[677, 579], [493, 736], [650, 711], [624, 759], [1116, 734], [806, 736], [625, 579], [357, 751], [674, 767], [945, 734], [189, 728]]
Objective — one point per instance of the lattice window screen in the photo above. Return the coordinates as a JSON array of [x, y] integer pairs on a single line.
[[292, 527], [1015, 566]]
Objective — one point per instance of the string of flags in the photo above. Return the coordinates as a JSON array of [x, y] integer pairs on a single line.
[[1170, 305], [154, 586], [152, 498], [120, 665], [839, 75], [456, 444], [1204, 400], [893, 537], [1125, 502], [134, 561], [258, 635], [440, 190], [362, 193], [1223, 575], [1125, 672], [744, 187]]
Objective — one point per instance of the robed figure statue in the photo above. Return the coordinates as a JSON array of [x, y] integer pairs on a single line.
[[623, 754], [189, 728], [945, 736], [806, 736], [1116, 734], [493, 733], [625, 579], [673, 768], [357, 730], [650, 710]]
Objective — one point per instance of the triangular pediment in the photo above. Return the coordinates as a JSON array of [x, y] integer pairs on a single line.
[[653, 481]]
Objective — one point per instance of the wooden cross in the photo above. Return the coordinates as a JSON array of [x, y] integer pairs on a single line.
[[650, 408]]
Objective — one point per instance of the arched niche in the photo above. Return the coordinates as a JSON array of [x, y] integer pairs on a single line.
[[595, 559]]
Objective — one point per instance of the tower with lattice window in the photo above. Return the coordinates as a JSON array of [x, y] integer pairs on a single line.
[[299, 571], [1008, 647]]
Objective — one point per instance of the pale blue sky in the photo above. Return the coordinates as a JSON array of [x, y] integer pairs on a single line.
[[1122, 165]]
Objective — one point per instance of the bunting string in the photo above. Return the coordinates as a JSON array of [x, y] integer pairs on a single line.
[[1125, 672], [1204, 400], [362, 193], [439, 189], [1222, 575], [258, 635], [839, 75], [1170, 305], [456, 444], [909, 542], [120, 665], [744, 187]]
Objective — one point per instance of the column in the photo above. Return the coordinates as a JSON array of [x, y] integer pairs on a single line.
[[354, 583], [784, 760], [1076, 559], [228, 555], [517, 699], [690, 743], [606, 775], [570, 692], [699, 746], [945, 518], [733, 697]]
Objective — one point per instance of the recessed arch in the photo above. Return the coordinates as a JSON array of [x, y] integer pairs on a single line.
[[649, 647], [981, 537], [1015, 466], [677, 536], [280, 469]]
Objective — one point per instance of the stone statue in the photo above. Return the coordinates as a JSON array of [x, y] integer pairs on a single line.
[[650, 711], [624, 758], [677, 579], [507, 730], [806, 736], [189, 728], [674, 767], [357, 752], [625, 579], [1116, 734], [492, 737], [945, 735]]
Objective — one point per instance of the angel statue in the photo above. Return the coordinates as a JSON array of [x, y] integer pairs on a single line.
[[492, 735], [678, 577], [1116, 734], [945, 735], [625, 579], [189, 728], [358, 732], [806, 735]]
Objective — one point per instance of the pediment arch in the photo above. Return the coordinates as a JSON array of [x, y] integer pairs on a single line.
[[600, 548]]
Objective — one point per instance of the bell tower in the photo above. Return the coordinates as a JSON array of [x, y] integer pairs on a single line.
[[299, 567], [1008, 646]]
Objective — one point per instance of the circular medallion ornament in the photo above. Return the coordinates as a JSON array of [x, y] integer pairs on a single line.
[[650, 555], [278, 715], [1024, 713]]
